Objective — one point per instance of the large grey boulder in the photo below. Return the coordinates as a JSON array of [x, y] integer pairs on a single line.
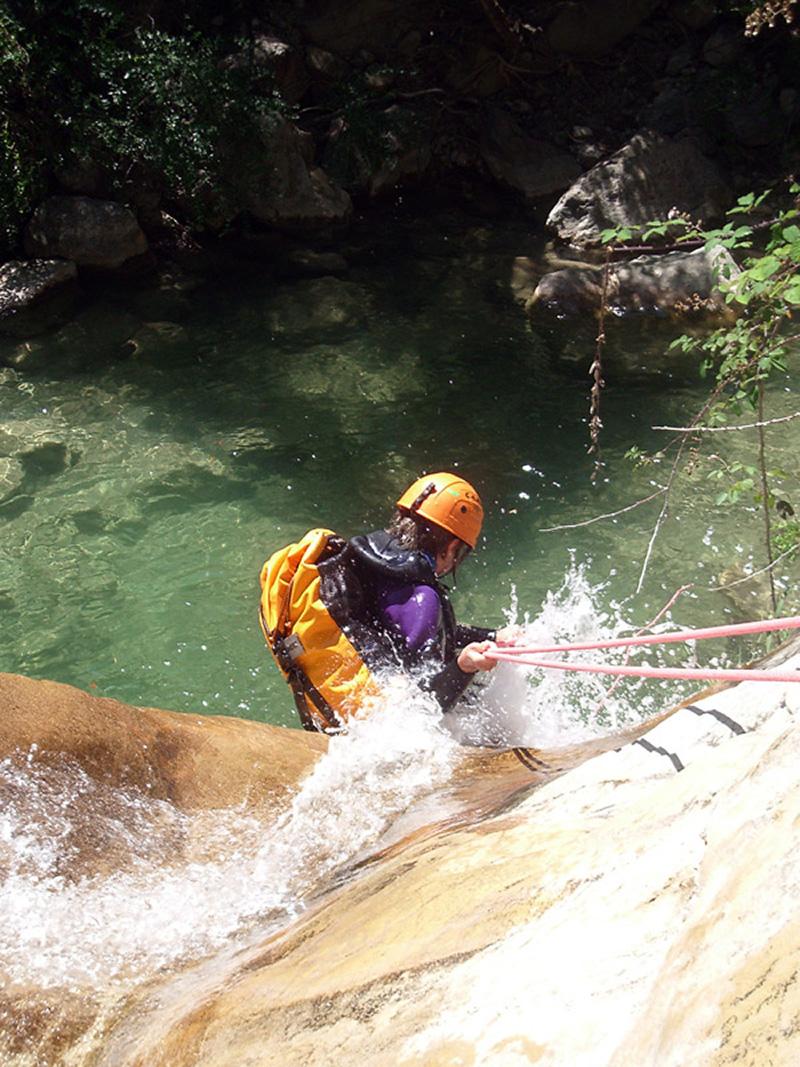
[[676, 282], [92, 233], [35, 294], [286, 189], [534, 168], [644, 181]]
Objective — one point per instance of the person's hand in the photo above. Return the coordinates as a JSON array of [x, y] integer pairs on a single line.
[[509, 635], [473, 657]]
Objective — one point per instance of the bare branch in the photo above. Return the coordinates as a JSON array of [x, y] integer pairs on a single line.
[[755, 574], [596, 371], [728, 429], [659, 523], [762, 465], [609, 515]]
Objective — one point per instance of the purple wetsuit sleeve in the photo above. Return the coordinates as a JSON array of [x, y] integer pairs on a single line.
[[413, 612]]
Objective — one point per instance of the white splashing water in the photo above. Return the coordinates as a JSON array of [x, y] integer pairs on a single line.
[[232, 868], [521, 705], [103, 885]]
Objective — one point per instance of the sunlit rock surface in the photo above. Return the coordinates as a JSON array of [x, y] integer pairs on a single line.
[[194, 761], [640, 909], [631, 900]]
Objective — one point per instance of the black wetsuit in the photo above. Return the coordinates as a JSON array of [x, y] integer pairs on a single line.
[[356, 585]]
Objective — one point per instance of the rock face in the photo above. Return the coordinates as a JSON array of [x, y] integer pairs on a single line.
[[193, 761], [290, 192], [675, 283], [588, 30], [92, 233], [35, 295], [642, 182], [640, 909], [532, 167]]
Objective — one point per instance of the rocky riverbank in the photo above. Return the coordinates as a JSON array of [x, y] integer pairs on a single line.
[[582, 117]]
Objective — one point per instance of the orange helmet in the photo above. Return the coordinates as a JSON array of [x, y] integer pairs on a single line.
[[447, 501]]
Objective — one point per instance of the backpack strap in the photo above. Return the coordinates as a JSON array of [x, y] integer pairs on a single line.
[[286, 650]]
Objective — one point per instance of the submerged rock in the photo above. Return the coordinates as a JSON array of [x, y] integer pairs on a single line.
[[308, 263], [12, 475], [92, 233], [643, 182], [675, 283], [35, 295], [319, 306]]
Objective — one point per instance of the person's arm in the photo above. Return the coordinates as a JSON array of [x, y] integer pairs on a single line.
[[411, 616], [465, 635], [506, 635]]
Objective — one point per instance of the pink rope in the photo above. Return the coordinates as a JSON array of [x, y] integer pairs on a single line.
[[711, 673], [792, 622]]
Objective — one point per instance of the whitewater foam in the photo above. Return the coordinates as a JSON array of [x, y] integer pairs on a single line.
[[108, 885]]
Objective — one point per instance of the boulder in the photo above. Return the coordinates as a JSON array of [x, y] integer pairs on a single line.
[[406, 158], [307, 262], [644, 181], [92, 233], [278, 59], [35, 295], [530, 166], [591, 28], [757, 121], [677, 282], [284, 189], [194, 761]]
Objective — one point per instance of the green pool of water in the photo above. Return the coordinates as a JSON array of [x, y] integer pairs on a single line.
[[158, 475]]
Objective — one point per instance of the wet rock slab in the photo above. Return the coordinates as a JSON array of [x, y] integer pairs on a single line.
[[639, 909]]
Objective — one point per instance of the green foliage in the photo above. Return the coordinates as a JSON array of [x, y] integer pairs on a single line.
[[786, 537], [368, 130], [132, 98], [742, 354]]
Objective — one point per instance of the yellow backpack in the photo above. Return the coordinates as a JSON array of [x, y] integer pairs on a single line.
[[327, 675]]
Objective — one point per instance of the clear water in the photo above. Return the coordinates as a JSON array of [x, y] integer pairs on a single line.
[[156, 484], [158, 475]]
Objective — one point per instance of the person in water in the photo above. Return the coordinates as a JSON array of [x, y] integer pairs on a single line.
[[436, 525], [336, 614]]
